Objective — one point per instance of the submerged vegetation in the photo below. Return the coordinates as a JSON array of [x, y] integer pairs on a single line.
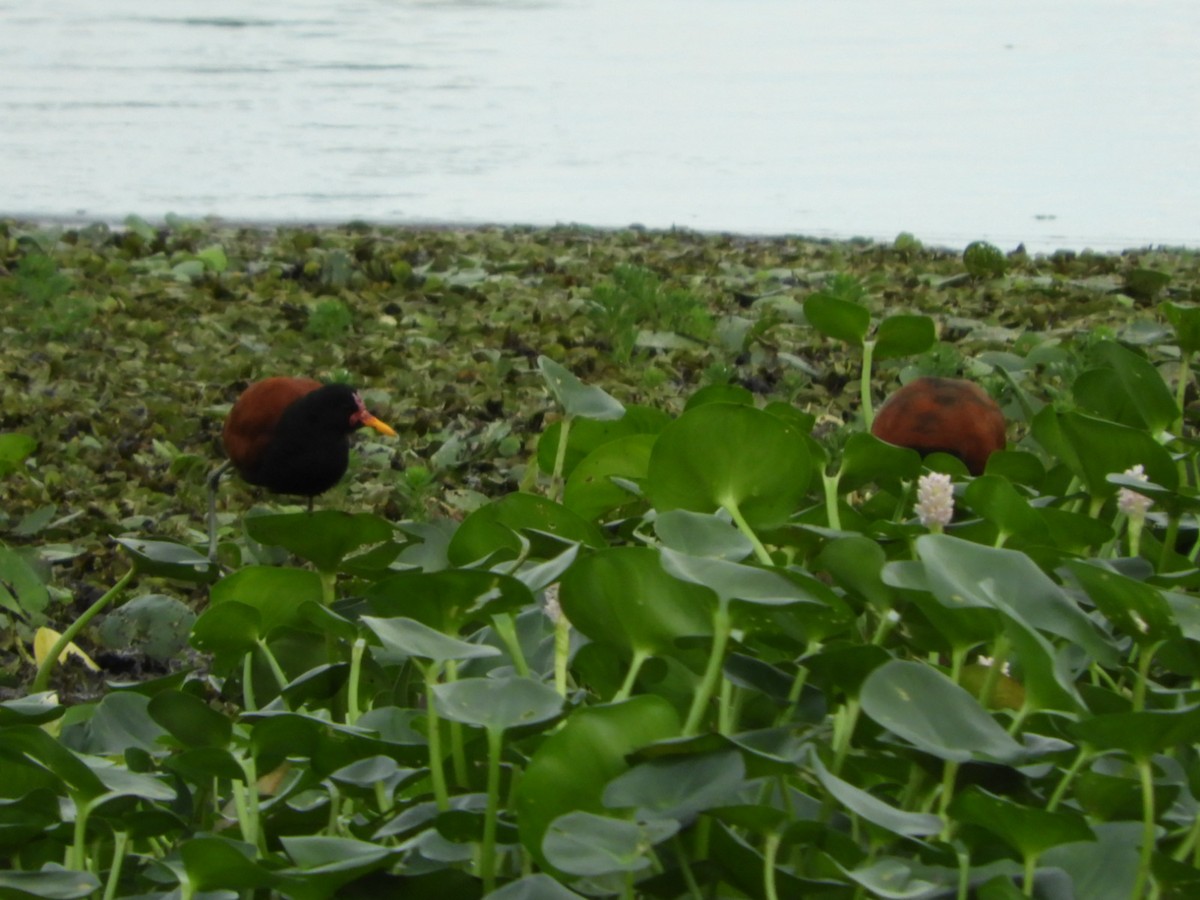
[[635, 607]]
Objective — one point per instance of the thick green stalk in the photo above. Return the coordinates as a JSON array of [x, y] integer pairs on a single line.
[[487, 856], [832, 513], [356, 658], [437, 773], [560, 460], [722, 628], [635, 666], [731, 507], [770, 853], [41, 680], [1146, 773], [868, 409]]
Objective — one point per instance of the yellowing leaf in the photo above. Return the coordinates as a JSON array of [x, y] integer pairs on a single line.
[[43, 642]]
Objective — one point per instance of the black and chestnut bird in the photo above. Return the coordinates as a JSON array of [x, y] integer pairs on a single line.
[[946, 415], [292, 436]]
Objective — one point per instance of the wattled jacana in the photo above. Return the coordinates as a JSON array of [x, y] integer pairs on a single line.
[[291, 436], [946, 415]]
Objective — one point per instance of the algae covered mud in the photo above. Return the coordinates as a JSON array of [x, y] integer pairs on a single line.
[[440, 328]]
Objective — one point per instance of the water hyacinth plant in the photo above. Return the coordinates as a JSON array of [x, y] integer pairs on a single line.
[[712, 648]]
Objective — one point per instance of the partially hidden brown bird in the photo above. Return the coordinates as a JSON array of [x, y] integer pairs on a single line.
[[947, 415]]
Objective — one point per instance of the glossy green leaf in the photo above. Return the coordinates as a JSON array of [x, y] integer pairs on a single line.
[[1095, 448], [871, 808], [534, 887], [22, 590], [1140, 734], [588, 435], [448, 600], [492, 529], [1104, 868], [1137, 609], [214, 863], [904, 335], [32, 709], [165, 559], [497, 704], [228, 631], [1029, 830], [582, 843], [997, 501], [867, 459], [702, 534], [927, 709], [1126, 388], [590, 490], [575, 397], [570, 769], [51, 883], [322, 865], [839, 319], [403, 638], [720, 393], [961, 573], [724, 456], [276, 594], [678, 787], [622, 596], [856, 564], [190, 720], [324, 538], [1185, 319], [119, 721]]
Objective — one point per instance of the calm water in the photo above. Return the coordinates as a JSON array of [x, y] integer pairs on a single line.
[[1059, 123]]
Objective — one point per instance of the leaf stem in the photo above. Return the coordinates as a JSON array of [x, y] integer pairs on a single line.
[[731, 507], [868, 349], [487, 856], [41, 681], [437, 773], [635, 666], [722, 628], [1146, 774]]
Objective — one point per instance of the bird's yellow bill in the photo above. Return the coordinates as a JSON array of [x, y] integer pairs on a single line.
[[382, 427]]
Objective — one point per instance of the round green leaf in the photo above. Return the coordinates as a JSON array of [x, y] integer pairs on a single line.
[[493, 528], [404, 638], [678, 787], [1126, 388], [701, 534], [229, 630], [324, 538], [1138, 609], [448, 600], [904, 336], [570, 769], [590, 490], [497, 704], [871, 808], [922, 706], [276, 594], [165, 559], [582, 843], [623, 597], [997, 501], [720, 455], [1028, 830], [577, 398], [838, 319]]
